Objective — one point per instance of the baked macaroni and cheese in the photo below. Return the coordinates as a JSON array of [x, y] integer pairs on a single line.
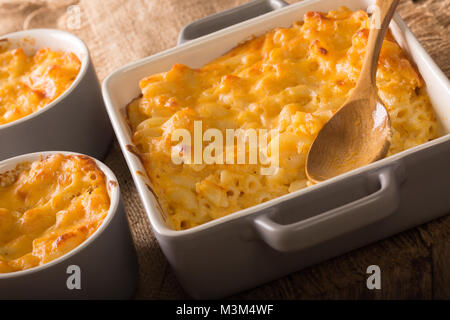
[[290, 79], [48, 208], [29, 83]]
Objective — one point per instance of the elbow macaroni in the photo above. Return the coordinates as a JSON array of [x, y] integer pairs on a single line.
[[290, 79], [29, 83], [48, 208]]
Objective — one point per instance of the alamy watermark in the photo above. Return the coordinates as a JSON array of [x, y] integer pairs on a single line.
[[375, 21], [73, 20], [374, 280], [73, 282], [239, 146]]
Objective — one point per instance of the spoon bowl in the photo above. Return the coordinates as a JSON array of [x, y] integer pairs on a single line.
[[359, 132], [351, 139]]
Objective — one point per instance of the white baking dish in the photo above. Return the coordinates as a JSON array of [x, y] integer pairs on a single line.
[[267, 241], [74, 121], [106, 273]]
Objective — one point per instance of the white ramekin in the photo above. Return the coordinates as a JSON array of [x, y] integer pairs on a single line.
[[75, 121], [106, 260]]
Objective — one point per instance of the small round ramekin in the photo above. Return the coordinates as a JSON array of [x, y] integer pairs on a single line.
[[75, 121], [105, 265]]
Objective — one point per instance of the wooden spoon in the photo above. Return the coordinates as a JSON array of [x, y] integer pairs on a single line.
[[359, 132]]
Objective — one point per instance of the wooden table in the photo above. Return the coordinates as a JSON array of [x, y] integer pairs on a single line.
[[414, 264]]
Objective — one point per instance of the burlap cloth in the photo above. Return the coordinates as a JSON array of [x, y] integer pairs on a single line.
[[118, 32]]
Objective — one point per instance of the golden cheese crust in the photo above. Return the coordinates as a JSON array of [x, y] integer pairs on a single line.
[[290, 79], [48, 208], [29, 83]]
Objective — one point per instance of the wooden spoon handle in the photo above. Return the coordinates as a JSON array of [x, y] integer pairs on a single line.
[[382, 14]]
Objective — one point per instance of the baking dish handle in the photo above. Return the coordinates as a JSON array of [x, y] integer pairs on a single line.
[[335, 222], [228, 18]]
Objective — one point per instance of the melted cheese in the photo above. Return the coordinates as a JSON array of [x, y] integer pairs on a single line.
[[290, 79], [48, 208], [29, 83]]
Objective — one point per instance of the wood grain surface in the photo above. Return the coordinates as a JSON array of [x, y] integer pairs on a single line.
[[414, 264]]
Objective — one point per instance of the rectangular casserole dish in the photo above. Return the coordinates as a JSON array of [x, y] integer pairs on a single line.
[[267, 241]]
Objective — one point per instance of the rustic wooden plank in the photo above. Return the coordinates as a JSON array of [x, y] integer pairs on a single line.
[[404, 260], [437, 236], [441, 267]]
